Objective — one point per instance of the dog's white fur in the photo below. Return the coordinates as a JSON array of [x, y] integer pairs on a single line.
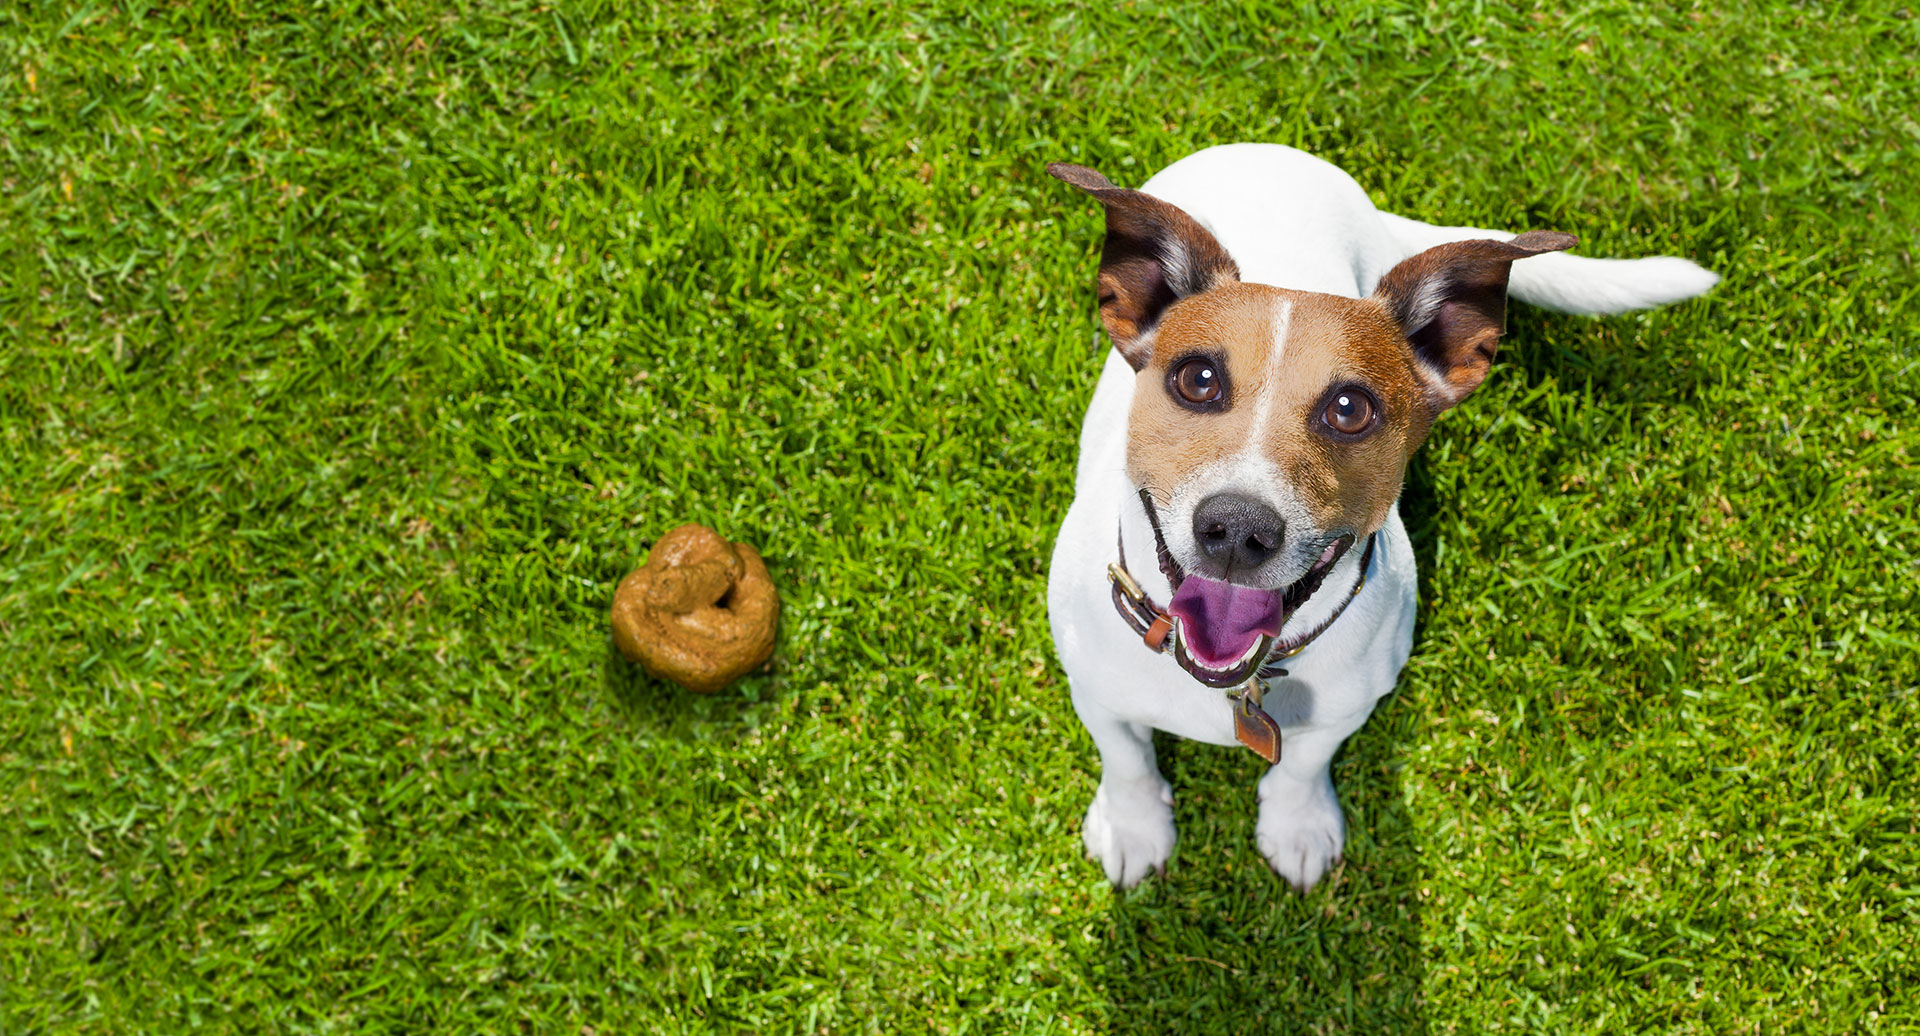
[[1292, 221]]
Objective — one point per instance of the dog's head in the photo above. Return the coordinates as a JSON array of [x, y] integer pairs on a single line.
[[1272, 428]]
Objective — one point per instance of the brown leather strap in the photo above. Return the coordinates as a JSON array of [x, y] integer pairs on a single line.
[[1133, 604], [1288, 649], [1134, 614], [1168, 567], [1156, 634]]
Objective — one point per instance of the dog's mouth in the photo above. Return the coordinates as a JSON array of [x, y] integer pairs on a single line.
[[1225, 631]]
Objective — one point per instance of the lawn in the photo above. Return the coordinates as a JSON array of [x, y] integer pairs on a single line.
[[349, 358]]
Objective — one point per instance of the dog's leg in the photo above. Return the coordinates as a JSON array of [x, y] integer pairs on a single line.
[[1129, 826], [1301, 829]]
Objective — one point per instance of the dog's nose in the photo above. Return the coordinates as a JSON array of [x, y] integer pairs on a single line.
[[1237, 532]]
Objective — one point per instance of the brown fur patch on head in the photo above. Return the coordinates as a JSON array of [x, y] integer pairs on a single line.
[[1233, 328], [1352, 345], [1276, 392]]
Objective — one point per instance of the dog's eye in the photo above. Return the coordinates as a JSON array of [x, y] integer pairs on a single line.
[[1349, 412], [1198, 381]]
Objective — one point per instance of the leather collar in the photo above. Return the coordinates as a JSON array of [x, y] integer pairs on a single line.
[[1252, 725]]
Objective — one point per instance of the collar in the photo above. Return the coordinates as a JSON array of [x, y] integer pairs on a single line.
[[1252, 725]]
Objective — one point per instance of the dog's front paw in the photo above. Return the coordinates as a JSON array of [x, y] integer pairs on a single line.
[[1300, 831], [1130, 832]]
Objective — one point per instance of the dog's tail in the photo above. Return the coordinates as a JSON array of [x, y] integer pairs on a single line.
[[1572, 283]]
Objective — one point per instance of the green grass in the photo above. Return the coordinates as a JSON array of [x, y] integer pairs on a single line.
[[349, 358]]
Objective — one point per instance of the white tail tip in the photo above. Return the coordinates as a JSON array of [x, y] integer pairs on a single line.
[[1578, 284]]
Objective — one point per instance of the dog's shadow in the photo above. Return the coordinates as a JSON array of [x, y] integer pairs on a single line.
[[1222, 945]]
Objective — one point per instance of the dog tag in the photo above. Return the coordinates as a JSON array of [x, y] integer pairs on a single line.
[[1251, 724]]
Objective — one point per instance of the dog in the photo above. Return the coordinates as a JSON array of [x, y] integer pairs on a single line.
[[1233, 568]]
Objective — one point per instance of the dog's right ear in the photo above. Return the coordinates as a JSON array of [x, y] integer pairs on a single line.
[[1451, 300], [1155, 255]]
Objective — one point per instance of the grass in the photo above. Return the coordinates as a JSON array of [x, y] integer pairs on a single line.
[[350, 356]]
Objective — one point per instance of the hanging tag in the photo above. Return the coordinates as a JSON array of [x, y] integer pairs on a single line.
[[1251, 724]]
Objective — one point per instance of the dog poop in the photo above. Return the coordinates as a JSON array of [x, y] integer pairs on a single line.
[[701, 612]]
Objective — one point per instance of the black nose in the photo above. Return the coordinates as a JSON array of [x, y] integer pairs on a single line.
[[1237, 532]]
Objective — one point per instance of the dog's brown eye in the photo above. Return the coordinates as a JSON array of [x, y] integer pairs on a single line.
[[1198, 381], [1349, 412]]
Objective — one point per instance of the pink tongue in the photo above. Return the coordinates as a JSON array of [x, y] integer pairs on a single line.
[[1222, 620]]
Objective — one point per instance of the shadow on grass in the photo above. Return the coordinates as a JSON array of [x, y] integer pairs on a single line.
[[1222, 945], [1616, 358], [665, 708]]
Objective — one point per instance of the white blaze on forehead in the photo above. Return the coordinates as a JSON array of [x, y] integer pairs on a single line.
[[1263, 407]]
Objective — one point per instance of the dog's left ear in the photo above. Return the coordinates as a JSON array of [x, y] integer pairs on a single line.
[[1155, 255], [1451, 302]]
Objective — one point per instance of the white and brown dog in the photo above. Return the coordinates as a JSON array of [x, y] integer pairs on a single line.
[[1280, 349]]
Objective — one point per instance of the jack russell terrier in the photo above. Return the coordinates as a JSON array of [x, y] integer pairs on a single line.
[[1233, 568]]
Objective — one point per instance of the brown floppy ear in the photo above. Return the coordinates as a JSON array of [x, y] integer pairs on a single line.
[[1451, 302], [1155, 254]]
